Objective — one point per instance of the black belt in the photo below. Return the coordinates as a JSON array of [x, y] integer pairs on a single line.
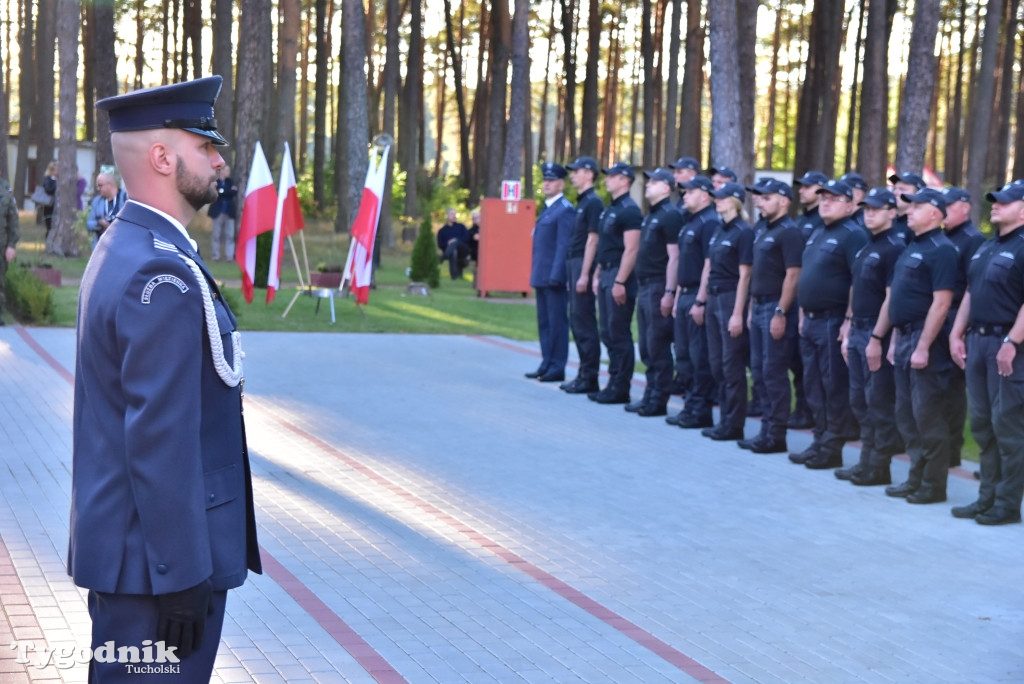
[[689, 289], [991, 329], [863, 322], [648, 281], [908, 328], [609, 264], [765, 299], [720, 289], [837, 312]]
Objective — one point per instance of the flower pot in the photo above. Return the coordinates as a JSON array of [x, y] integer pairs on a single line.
[[325, 280], [50, 276]]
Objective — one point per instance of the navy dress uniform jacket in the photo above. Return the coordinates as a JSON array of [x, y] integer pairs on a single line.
[[551, 236], [161, 490]]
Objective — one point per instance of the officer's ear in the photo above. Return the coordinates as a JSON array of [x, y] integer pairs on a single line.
[[161, 158]]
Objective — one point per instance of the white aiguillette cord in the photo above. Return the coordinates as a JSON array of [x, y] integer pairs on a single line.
[[231, 376]]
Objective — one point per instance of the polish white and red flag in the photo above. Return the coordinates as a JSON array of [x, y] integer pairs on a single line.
[[257, 217], [359, 268], [287, 221]]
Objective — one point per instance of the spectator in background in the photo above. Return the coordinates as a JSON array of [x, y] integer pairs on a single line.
[[50, 188], [453, 243], [105, 205], [223, 212], [474, 236]]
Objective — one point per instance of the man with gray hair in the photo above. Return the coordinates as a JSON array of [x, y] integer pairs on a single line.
[[105, 205]]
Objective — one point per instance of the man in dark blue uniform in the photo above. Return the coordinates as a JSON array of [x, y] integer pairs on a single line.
[[872, 394], [453, 243], [922, 289], [683, 169], [582, 260], [551, 235], [860, 190], [906, 183], [721, 175], [966, 238], [162, 521], [991, 317], [656, 271], [778, 250], [694, 238], [615, 282], [824, 294]]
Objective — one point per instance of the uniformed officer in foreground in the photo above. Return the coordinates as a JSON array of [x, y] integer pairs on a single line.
[[582, 261], [778, 250], [548, 274], [962, 232], [162, 521], [991, 318], [9, 234], [922, 289], [615, 282], [694, 238], [683, 169], [656, 271], [824, 292], [872, 392]]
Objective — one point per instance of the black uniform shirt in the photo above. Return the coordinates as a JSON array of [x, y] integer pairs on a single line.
[[778, 247], [927, 264], [966, 238], [872, 272], [996, 279], [827, 262], [660, 228], [693, 244], [731, 246], [902, 230], [589, 206], [623, 214], [809, 222]]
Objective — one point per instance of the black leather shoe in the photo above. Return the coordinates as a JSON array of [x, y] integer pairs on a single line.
[[997, 515], [926, 495], [901, 490], [606, 397], [971, 510], [769, 446], [800, 421], [649, 410], [720, 435], [690, 422], [533, 375], [824, 461], [747, 443], [848, 473], [578, 386], [706, 432], [674, 420], [872, 476], [592, 396], [552, 377], [802, 457], [635, 406]]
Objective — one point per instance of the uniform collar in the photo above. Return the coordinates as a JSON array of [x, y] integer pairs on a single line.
[[927, 235], [882, 235], [173, 221], [548, 201], [958, 228], [1019, 230]]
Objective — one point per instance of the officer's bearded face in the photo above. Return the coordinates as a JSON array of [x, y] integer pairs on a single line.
[[197, 190]]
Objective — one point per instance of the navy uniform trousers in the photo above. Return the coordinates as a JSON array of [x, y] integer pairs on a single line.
[[997, 422], [616, 333], [728, 357], [553, 328], [692, 359], [655, 332], [583, 320], [920, 399], [872, 398], [773, 358], [826, 383]]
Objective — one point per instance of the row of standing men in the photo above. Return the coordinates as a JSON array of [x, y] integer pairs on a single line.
[[865, 298]]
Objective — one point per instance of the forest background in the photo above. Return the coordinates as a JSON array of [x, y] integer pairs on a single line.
[[478, 92]]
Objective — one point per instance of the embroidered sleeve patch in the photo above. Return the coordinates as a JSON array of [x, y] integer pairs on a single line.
[[147, 292]]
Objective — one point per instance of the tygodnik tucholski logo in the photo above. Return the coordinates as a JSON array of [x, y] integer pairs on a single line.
[[149, 658]]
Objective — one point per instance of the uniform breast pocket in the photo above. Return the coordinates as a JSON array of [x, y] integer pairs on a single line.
[[998, 270], [222, 485]]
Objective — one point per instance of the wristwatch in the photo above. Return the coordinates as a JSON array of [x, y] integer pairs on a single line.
[[779, 311], [671, 292], [1007, 340]]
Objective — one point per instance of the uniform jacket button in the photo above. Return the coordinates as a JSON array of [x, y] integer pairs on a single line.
[[212, 496], [161, 568]]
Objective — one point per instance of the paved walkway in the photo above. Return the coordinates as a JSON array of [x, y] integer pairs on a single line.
[[428, 515]]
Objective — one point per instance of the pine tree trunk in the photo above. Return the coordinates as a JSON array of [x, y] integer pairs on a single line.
[[42, 119], [726, 139], [954, 157], [465, 163], [26, 100], [287, 53], [104, 77], [320, 108], [253, 67], [690, 123], [999, 132], [773, 91], [62, 240], [647, 79], [672, 87], [414, 98], [569, 104], [353, 119], [746, 26], [982, 91], [501, 38], [519, 93], [915, 108], [588, 115]]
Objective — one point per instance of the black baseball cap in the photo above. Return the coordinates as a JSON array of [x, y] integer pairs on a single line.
[[956, 194], [699, 182], [730, 190], [620, 168], [1011, 192], [931, 196], [812, 178], [909, 178], [877, 198], [836, 187], [583, 163], [552, 171], [684, 163], [663, 175], [855, 181], [771, 186], [723, 171]]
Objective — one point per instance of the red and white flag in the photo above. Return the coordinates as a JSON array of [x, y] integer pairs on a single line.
[[257, 217], [364, 229], [287, 221]]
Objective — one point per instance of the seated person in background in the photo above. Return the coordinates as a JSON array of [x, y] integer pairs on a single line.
[[104, 207], [453, 243]]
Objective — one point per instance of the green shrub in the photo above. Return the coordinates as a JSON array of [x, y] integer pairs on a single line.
[[425, 266], [28, 296]]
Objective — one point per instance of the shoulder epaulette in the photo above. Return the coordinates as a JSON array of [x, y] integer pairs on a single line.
[[164, 245]]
